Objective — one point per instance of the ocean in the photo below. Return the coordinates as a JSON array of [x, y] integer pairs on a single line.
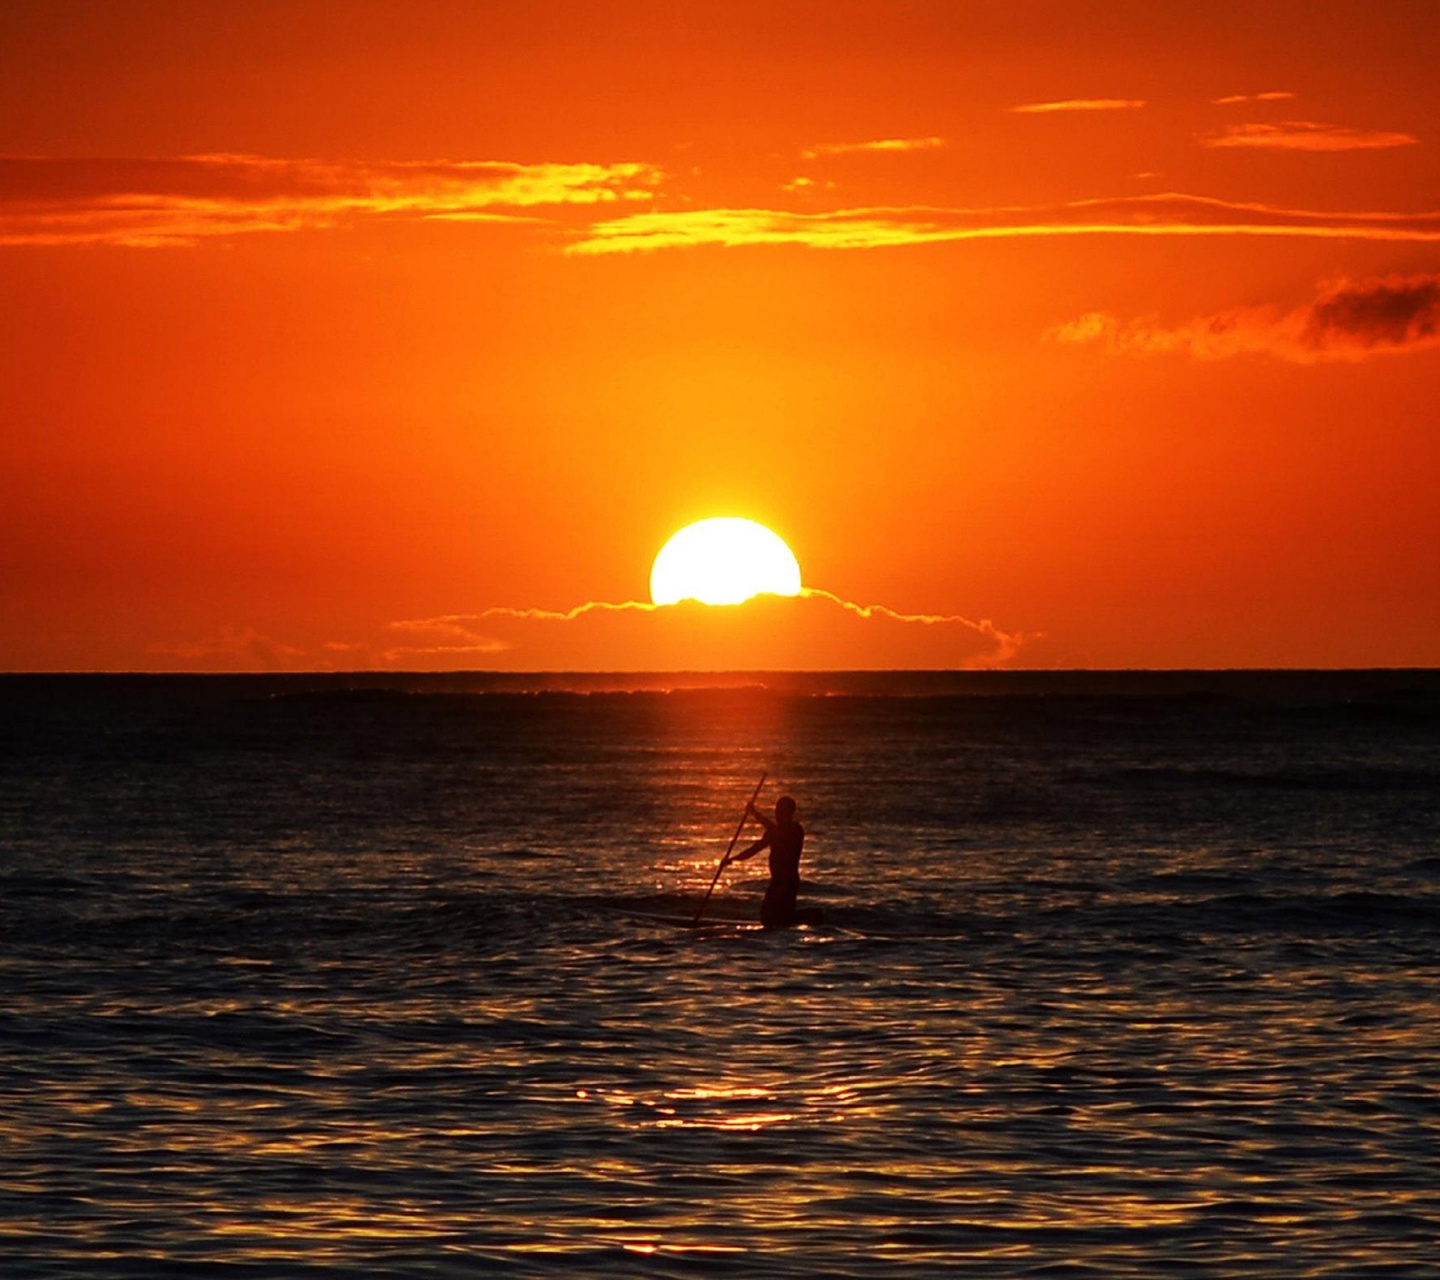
[[383, 976]]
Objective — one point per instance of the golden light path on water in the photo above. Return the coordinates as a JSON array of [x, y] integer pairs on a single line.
[[433, 1015], [993, 1066]]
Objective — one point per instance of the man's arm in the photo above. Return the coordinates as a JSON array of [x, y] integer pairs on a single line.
[[755, 848]]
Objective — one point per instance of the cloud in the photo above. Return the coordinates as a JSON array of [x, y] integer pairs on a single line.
[[231, 648], [1151, 215], [453, 637], [1372, 315], [816, 630], [1306, 135], [157, 202], [151, 202], [803, 183], [1006, 645], [1234, 98], [1347, 320], [845, 229], [1080, 104], [880, 145]]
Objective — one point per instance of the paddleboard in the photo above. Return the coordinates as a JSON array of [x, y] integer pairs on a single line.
[[811, 916], [689, 922]]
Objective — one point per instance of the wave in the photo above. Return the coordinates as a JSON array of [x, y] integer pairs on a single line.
[[1282, 779], [260, 925]]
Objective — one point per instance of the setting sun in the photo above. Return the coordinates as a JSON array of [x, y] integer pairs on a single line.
[[619, 586], [723, 560]]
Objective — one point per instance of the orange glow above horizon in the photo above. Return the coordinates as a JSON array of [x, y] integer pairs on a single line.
[[376, 336]]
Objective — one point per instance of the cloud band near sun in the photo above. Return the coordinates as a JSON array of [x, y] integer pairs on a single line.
[[816, 630]]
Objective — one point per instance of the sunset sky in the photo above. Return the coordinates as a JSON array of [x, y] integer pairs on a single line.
[[403, 335]]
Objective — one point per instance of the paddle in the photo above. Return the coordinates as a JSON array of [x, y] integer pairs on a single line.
[[723, 860]]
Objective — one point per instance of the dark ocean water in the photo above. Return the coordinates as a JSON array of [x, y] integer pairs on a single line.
[[1121, 976]]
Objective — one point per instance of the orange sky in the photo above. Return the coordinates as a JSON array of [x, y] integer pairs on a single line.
[[1076, 334]]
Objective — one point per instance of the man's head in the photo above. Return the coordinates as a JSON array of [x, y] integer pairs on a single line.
[[785, 809]]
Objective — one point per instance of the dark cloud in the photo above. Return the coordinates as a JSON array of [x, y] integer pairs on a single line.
[[1348, 320], [1398, 311]]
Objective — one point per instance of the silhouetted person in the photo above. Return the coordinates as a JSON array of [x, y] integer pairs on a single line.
[[784, 837]]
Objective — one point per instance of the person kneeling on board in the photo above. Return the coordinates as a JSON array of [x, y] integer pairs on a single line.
[[784, 837]]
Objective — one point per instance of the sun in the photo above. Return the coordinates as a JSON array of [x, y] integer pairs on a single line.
[[724, 560]]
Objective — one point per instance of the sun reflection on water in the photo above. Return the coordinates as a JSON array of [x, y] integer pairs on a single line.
[[1040, 1050]]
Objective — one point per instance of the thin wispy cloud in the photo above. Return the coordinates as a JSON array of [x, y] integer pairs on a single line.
[[1347, 320], [149, 202], [1006, 644], [453, 636], [806, 185], [1307, 135], [476, 633], [1233, 99], [879, 145], [232, 648], [1169, 214], [1079, 104], [569, 615], [152, 203]]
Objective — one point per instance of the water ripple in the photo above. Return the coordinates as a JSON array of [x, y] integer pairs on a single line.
[[1103, 993]]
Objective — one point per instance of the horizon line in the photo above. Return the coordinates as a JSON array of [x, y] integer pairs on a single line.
[[598, 673]]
